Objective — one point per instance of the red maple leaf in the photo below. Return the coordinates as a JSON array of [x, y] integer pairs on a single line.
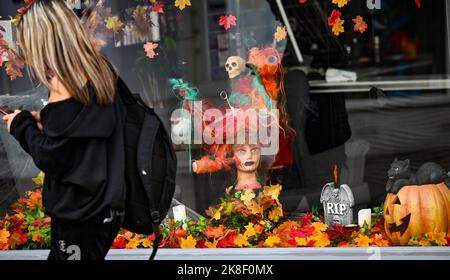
[[301, 232], [307, 219], [227, 21], [335, 14], [360, 24], [158, 7], [302, 1], [119, 243]]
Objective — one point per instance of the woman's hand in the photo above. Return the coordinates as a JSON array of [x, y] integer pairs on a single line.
[[37, 117], [9, 118]]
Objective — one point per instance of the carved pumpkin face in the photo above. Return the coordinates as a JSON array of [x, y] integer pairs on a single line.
[[416, 210]]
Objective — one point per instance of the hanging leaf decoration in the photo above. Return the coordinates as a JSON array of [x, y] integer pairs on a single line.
[[150, 50], [227, 21], [360, 24], [338, 27], [181, 4], [335, 14], [280, 34], [158, 7], [340, 3]]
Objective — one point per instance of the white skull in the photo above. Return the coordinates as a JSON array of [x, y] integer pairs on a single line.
[[235, 66]]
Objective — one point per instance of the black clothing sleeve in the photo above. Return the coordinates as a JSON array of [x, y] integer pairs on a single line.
[[50, 154]]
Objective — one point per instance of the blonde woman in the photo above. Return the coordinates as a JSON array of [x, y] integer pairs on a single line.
[[77, 139]]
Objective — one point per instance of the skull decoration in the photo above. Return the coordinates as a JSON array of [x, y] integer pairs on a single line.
[[235, 66]]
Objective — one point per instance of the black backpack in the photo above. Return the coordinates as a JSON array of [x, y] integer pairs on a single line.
[[150, 168]]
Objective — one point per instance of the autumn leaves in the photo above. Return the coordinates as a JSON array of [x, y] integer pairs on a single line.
[[337, 23]]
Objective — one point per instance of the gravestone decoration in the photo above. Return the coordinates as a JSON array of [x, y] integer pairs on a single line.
[[338, 204]]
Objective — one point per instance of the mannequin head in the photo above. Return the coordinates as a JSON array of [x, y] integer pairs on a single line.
[[247, 157]]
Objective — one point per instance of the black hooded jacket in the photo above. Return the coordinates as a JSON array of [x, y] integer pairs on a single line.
[[81, 152]]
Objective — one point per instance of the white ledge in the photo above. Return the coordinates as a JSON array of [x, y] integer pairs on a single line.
[[369, 253]]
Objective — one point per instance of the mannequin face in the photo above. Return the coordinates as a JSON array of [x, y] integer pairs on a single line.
[[247, 157]]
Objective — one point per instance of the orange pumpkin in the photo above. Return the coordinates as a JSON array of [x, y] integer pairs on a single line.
[[415, 210]]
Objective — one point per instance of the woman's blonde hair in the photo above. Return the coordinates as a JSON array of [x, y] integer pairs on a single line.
[[54, 43]]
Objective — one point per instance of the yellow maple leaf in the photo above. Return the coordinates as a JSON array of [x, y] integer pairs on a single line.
[[114, 24], [319, 227], [338, 27], [276, 214], [438, 237], [189, 242], [247, 196], [322, 240], [424, 242], [39, 180], [340, 3], [271, 241], [15, 20], [241, 241], [253, 207], [250, 230], [181, 4], [301, 241], [132, 244], [272, 191], [4, 235], [147, 243], [281, 33], [211, 245], [217, 214], [362, 241]]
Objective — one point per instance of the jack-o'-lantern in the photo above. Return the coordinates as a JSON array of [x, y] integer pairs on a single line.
[[415, 210]]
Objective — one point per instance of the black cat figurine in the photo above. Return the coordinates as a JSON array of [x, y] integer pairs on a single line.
[[400, 175]]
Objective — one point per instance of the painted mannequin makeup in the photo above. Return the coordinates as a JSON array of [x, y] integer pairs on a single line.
[[247, 158]]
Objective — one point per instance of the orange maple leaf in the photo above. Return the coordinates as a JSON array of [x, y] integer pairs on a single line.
[[214, 232], [4, 236], [360, 24], [338, 27]]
